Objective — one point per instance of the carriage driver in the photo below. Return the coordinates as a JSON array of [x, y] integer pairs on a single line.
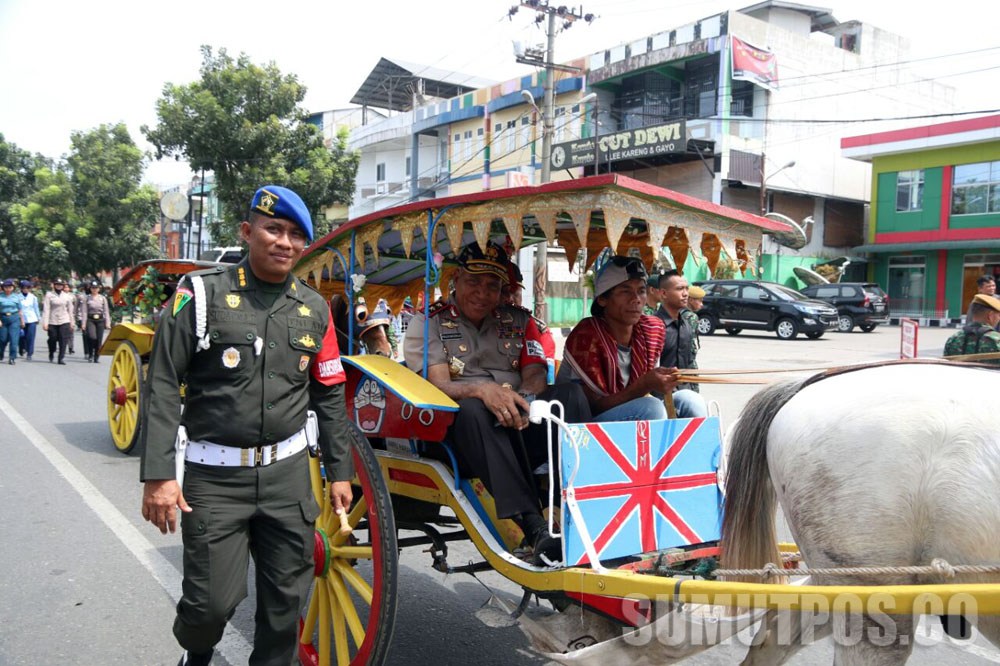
[[488, 357], [256, 349]]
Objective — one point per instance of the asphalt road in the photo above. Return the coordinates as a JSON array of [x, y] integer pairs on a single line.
[[86, 581]]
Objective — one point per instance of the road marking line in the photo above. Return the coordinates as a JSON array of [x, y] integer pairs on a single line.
[[233, 647]]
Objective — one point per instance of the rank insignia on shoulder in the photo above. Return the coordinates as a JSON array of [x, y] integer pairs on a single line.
[[241, 275], [303, 309], [181, 298], [231, 357], [307, 341], [303, 362], [456, 367], [437, 308], [233, 300], [448, 324]]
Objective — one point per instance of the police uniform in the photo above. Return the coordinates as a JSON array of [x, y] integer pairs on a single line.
[[11, 320], [255, 356], [497, 351]]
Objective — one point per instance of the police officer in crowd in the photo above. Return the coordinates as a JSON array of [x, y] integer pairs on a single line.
[[490, 359], [11, 320], [79, 298], [95, 315], [256, 348], [57, 319], [32, 315]]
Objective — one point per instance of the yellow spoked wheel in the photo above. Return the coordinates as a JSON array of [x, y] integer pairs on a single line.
[[124, 390], [350, 617]]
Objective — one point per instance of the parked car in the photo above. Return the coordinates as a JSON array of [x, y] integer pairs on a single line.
[[861, 304], [225, 255], [768, 306]]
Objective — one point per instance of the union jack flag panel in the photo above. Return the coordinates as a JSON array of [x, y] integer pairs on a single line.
[[642, 486]]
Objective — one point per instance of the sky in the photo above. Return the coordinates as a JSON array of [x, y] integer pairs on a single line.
[[71, 66]]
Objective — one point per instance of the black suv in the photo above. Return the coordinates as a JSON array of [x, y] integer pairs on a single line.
[[768, 306], [861, 304]]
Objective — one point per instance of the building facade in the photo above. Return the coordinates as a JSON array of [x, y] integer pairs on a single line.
[[669, 109], [935, 213]]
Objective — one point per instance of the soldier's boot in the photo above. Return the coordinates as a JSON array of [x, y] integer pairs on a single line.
[[195, 659]]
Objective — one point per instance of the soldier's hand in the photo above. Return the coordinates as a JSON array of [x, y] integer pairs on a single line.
[[341, 496], [160, 501]]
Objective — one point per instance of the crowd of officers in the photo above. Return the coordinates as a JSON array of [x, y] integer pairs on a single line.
[[60, 312]]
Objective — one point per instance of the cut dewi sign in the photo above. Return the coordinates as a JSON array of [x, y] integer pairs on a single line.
[[634, 144]]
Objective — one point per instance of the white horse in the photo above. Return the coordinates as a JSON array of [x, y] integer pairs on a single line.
[[890, 465]]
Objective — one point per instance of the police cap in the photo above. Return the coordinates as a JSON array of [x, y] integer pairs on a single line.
[[991, 302], [491, 261]]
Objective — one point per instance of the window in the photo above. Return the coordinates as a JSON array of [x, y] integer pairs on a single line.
[[380, 172], [910, 190], [467, 146], [560, 124], [511, 136], [753, 292], [826, 292], [976, 189], [526, 131], [408, 166]]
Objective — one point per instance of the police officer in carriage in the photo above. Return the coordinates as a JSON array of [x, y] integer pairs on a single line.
[[490, 359], [256, 349]]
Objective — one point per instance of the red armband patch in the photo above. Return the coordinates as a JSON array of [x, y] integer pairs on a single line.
[[327, 368], [539, 346]]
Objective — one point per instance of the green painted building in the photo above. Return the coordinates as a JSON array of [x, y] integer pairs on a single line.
[[934, 224]]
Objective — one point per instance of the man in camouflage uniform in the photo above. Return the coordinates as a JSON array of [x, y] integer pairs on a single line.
[[690, 315], [979, 336], [256, 349]]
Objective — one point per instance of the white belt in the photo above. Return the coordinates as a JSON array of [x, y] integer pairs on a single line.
[[210, 453]]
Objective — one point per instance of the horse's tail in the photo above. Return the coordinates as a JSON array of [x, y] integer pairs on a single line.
[[749, 538]]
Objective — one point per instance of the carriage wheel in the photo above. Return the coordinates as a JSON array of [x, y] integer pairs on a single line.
[[124, 390], [352, 608]]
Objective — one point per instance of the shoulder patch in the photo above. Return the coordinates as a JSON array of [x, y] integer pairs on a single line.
[[542, 327], [181, 298], [437, 308]]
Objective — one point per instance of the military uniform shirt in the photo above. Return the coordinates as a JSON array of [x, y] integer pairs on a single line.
[[506, 342], [10, 306], [265, 365], [975, 338]]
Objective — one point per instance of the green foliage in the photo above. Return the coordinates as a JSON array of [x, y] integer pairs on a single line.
[[144, 296], [116, 213], [43, 225], [243, 122], [17, 182]]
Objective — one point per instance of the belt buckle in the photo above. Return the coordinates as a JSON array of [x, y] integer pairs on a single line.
[[258, 456]]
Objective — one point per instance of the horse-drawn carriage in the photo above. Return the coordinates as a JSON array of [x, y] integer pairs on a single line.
[[640, 546], [142, 289]]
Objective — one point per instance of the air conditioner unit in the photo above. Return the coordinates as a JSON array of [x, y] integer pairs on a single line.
[[381, 188]]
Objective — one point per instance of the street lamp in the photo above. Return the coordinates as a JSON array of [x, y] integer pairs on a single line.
[[764, 179]]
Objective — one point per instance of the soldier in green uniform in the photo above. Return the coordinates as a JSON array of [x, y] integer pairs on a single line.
[[690, 315], [979, 336], [256, 349]]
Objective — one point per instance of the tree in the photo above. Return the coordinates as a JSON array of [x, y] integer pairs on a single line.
[[115, 212], [44, 225], [17, 182], [243, 122]]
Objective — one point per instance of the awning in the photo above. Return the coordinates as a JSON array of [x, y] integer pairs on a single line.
[[930, 246]]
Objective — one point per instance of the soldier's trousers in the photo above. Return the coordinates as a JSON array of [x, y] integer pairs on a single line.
[[266, 512], [496, 456], [61, 335]]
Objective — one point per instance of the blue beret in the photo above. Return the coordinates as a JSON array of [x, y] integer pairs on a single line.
[[277, 201]]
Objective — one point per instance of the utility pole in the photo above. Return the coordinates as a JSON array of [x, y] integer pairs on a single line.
[[567, 15]]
